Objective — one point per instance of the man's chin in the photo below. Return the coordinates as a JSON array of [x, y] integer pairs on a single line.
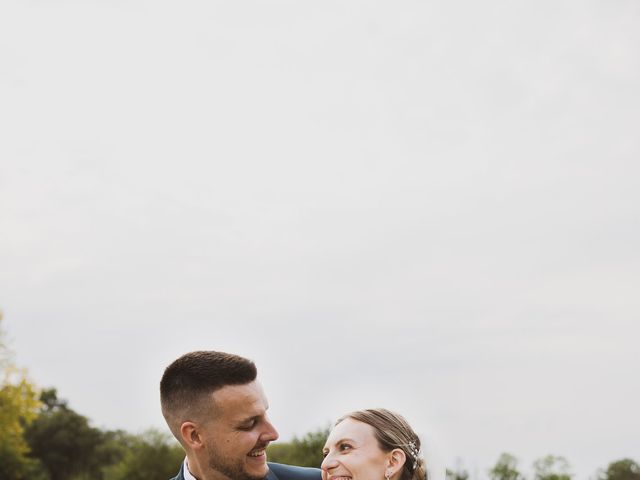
[[254, 476], [257, 472]]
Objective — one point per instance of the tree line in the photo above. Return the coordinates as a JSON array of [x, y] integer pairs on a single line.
[[42, 438], [307, 451]]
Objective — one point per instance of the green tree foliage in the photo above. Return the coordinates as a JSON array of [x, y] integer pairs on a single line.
[[152, 455], [551, 467], [625, 469], [506, 468], [18, 407], [460, 473], [305, 451], [113, 450], [69, 448], [64, 442], [457, 474]]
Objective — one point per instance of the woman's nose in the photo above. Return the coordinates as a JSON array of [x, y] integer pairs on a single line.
[[328, 463]]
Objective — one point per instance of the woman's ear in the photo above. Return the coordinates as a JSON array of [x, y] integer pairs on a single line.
[[396, 461], [190, 435]]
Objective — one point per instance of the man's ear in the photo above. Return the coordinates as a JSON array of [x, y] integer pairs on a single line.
[[396, 461], [191, 436]]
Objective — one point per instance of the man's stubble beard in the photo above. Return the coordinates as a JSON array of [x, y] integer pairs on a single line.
[[231, 471]]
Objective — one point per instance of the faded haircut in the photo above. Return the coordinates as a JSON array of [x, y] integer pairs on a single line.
[[188, 383]]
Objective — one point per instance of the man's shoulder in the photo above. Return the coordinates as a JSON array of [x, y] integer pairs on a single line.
[[179, 476], [280, 471]]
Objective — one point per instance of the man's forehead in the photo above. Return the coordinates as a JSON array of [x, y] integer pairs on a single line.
[[241, 400]]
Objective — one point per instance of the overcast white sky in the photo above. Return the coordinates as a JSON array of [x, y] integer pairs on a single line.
[[428, 206]]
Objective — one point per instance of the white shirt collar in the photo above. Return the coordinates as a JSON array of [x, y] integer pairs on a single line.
[[185, 471]]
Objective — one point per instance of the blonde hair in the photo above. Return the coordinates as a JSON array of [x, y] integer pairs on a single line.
[[393, 431]]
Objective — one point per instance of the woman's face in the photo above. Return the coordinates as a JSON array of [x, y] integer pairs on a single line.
[[352, 453]]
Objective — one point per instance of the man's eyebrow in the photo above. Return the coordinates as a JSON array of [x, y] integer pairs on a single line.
[[248, 418]]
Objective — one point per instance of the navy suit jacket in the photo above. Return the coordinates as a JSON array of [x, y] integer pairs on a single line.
[[278, 471]]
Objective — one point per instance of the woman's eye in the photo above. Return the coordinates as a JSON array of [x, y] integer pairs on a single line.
[[344, 446]]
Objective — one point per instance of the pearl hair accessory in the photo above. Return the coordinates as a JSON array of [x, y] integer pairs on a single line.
[[414, 453]]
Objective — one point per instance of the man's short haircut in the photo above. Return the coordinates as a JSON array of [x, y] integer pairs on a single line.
[[190, 380]]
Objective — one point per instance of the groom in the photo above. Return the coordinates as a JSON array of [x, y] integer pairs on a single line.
[[217, 410]]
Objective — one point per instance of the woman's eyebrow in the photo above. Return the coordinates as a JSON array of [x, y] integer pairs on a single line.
[[344, 440]]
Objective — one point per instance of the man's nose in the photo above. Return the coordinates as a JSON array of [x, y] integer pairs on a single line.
[[270, 434]]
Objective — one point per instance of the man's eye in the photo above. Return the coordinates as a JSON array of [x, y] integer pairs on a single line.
[[344, 446], [324, 454], [248, 426]]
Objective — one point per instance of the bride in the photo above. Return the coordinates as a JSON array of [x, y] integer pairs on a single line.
[[371, 445]]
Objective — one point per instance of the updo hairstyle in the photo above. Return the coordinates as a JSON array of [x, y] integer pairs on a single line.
[[393, 431]]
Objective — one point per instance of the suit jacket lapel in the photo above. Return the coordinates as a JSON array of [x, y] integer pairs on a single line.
[[271, 475]]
